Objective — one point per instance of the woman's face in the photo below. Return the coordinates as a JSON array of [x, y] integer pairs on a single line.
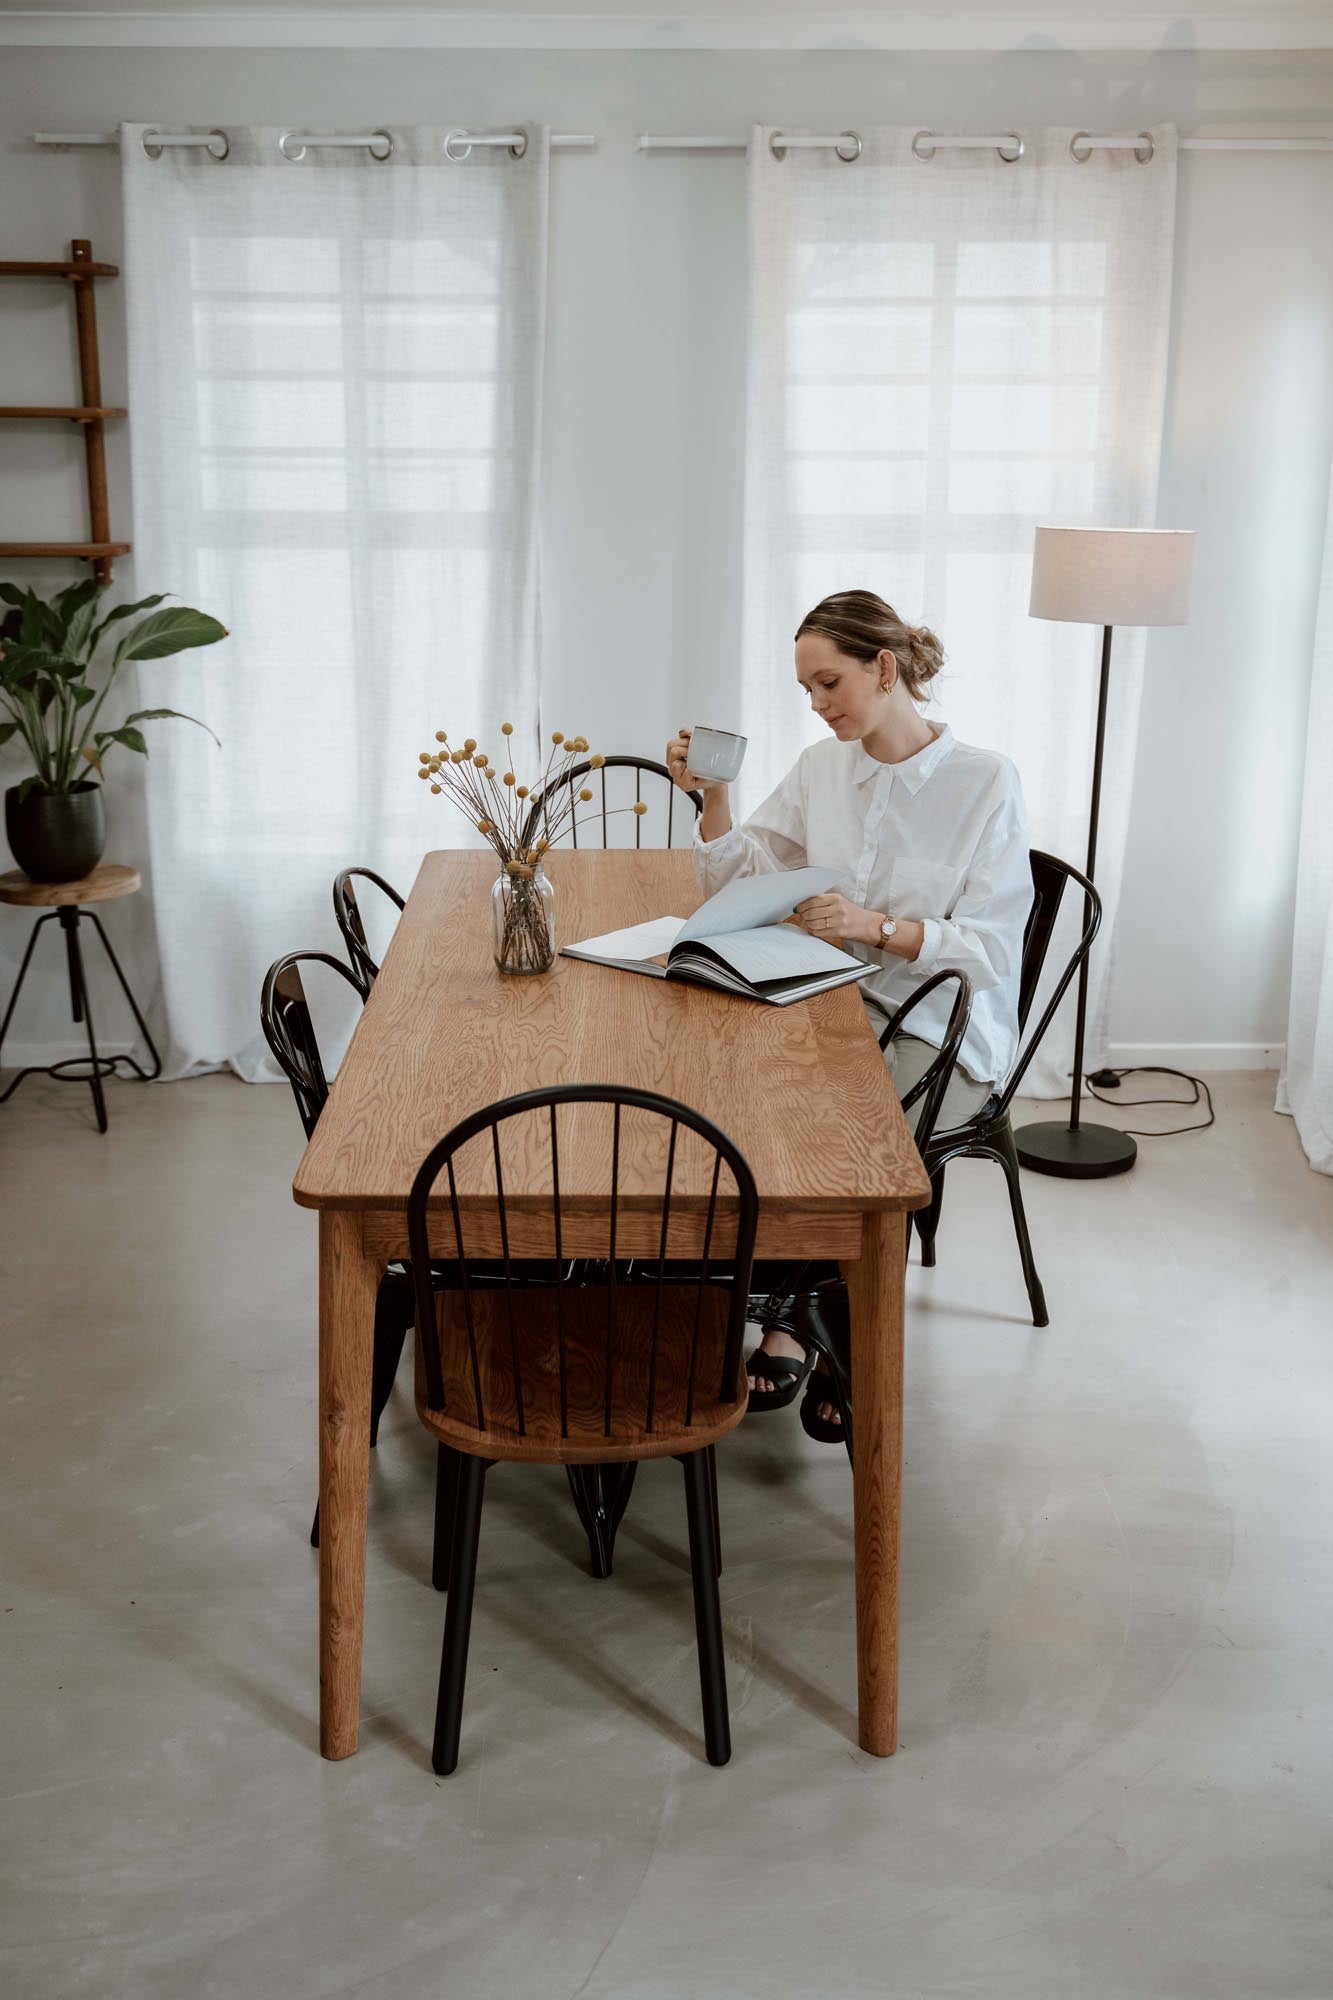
[[845, 693]]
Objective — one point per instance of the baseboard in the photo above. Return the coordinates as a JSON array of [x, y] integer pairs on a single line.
[[40, 1055], [1197, 1056]]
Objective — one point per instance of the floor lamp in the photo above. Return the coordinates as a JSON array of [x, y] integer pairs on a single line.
[[1106, 577]]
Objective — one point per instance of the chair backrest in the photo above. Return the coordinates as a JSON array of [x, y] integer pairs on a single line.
[[559, 1366], [284, 1015], [348, 914], [1050, 876], [649, 776]]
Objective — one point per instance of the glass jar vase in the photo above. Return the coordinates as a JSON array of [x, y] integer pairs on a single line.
[[523, 917]]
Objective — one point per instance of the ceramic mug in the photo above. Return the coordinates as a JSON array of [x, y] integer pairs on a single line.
[[715, 754]]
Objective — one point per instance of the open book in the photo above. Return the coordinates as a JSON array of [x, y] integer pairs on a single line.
[[738, 941]]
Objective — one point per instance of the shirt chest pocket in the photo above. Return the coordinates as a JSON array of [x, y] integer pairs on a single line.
[[923, 889]]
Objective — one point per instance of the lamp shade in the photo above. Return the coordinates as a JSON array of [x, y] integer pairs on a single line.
[[1113, 576]]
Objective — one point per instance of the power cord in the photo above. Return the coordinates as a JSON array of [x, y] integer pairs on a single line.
[[1109, 1079]]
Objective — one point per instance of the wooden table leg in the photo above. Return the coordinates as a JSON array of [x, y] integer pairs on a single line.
[[348, 1282], [875, 1291]]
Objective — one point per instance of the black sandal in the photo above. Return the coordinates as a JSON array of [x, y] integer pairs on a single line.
[[824, 1430], [776, 1368]]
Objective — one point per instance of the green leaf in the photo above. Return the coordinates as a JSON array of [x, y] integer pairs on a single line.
[[11, 593], [132, 738], [128, 611], [8, 729], [82, 694], [66, 602], [161, 714], [79, 628], [27, 786], [172, 631]]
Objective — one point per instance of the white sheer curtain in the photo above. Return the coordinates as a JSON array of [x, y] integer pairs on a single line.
[[335, 369], [1305, 1088], [944, 353]]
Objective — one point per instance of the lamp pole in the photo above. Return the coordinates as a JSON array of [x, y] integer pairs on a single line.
[[1076, 1151]]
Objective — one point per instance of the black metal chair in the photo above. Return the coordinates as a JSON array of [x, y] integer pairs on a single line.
[[348, 914], [822, 1312], [585, 774], [596, 1375], [809, 1302], [284, 1015]]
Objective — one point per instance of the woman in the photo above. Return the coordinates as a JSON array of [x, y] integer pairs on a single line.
[[930, 840]]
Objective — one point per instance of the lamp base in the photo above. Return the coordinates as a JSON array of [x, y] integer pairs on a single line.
[[1090, 1154]]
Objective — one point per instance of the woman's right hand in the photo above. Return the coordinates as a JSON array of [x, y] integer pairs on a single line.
[[678, 762]]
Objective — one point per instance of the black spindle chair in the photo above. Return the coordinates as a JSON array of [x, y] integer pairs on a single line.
[[595, 1375], [284, 1015], [988, 1135], [348, 914], [649, 775]]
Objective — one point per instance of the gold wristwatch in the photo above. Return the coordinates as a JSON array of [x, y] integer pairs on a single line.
[[887, 929]]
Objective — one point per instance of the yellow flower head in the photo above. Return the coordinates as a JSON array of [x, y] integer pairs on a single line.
[[542, 846], [435, 788], [425, 757], [441, 736], [522, 791], [506, 728], [640, 807], [423, 772], [480, 760], [585, 795], [597, 761], [483, 826], [470, 744], [558, 737], [509, 777], [458, 757]]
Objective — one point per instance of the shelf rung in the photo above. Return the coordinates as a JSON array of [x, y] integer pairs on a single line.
[[90, 550], [21, 269], [83, 415]]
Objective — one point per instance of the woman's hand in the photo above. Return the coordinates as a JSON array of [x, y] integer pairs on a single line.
[[833, 917], [677, 762]]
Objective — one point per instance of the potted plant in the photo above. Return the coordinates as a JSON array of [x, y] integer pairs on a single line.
[[55, 818]]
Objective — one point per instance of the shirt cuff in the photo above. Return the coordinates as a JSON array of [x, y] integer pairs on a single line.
[[732, 836], [932, 937]]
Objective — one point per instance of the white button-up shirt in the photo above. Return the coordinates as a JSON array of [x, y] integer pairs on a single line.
[[942, 837]]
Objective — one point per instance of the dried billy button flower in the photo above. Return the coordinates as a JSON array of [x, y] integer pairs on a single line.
[[435, 788], [597, 760], [441, 736], [506, 728], [522, 791], [483, 826], [509, 777], [558, 737], [585, 795], [470, 744], [640, 807], [423, 772], [425, 757]]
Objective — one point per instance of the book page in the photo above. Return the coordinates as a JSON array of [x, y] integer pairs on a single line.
[[636, 941], [753, 900], [777, 951]]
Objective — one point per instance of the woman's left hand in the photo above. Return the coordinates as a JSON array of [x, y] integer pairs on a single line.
[[833, 917]]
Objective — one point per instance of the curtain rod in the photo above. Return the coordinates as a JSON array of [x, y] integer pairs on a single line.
[[1009, 144], [294, 140]]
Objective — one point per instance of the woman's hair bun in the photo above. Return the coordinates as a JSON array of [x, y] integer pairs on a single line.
[[863, 626]]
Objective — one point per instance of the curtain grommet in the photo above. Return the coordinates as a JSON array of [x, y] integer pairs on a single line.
[[776, 147], [917, 151], [151, 152], [852, 139], [1080, 139], [1010, 159], [449, 153], [212, 147], [380, 138], [298, 154], [1147, 141], [517, 152]]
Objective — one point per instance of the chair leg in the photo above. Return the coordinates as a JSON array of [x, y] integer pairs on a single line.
[[601, 1495], [1007, 1154], [458, 1618], [394, 1313], [928, 1219], [714, 1512], [707, 1611], [447, 1464]]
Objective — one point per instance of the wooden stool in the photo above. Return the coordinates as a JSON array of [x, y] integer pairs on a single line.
[[65, 900]]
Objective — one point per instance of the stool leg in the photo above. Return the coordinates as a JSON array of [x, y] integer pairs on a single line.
[[147, 1074], [18, 987], [78, 992]]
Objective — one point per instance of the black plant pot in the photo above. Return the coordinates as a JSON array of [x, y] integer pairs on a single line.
[[57, 836]]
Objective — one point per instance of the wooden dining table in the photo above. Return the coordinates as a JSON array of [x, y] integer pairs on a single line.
[[802, 1090]]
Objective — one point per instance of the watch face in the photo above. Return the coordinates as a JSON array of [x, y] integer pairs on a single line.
[[888, 927]]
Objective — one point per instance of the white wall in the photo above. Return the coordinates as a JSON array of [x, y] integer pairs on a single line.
[[644, 414]]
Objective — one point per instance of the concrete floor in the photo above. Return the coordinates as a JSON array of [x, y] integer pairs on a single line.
[[1116, 1776]]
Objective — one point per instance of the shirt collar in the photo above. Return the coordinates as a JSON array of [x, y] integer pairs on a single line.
[[913, 771]]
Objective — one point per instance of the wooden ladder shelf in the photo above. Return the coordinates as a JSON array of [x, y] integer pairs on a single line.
[[90, 412]]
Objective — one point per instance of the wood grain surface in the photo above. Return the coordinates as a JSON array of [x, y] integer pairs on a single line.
[[107, 881], [802, 1090]]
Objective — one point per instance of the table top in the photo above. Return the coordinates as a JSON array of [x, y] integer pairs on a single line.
[[802, 1090], [108, 880]]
